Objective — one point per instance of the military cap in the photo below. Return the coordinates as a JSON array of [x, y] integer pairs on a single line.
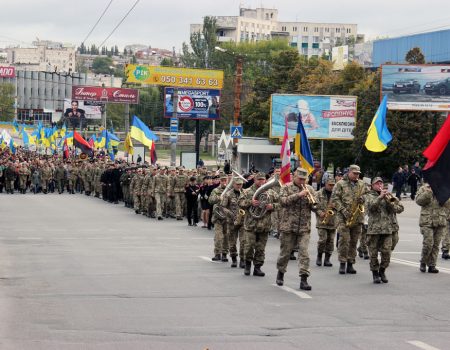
[[238, 180], [301, 173], [376, 179], [172, 168], [223, 176], [354, 168], [260, 176], [330, 180]]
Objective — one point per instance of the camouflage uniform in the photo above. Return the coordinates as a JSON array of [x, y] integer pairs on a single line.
[[446, 243], [344, 194], [97, 174], [230, 202], [46, 177], [146, 193], [137, 194], [170, 200], [124, 181], [73, 177], [24, 173], [179, 187], [60, 177], [326, 231], [295, 224], [221, 237], [160, 189], [433, 226]]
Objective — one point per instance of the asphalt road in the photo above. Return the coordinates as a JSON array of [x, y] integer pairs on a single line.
[[78, 273]]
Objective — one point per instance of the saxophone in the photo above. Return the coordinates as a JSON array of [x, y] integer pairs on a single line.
[[357, 209], [263, 197]]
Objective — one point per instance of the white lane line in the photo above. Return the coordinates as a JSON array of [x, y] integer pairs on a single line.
[[209, 260], [302, 295], [406, 252], [415, 264], [421, 345]]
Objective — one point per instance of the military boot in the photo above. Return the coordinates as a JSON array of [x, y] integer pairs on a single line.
[[292, 256], [304, 283], [350, 268], [342, 268], [216, 257], [383, 275], [258, 272], [423, 267], [280, 278], [366, 256], [224, 257], [432, 269], [233, 261], [360, 252], [376, 277], [327, 262], [319, 259], [248, 266], [445, 255], [241, 263]]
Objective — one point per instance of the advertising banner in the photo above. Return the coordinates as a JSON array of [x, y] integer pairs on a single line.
[[103, 94], [193, 103], [173, 76], [416, 87], [323, 117], [92, 110], [340, 57], [7, 72]]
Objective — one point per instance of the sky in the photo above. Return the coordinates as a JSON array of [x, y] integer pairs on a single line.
[[165, 24]]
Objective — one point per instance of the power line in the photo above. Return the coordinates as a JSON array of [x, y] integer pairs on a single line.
[[120, 22], [96, 23]]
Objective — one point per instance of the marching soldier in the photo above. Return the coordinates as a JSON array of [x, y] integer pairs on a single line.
[[160, 189], [380, 207], [446, 243], [24, 173], [180, 182], [46, 177], [325, 223], [60, 177], [347, 200], [256, 227], [137, 190], [221, 238], [170, 205], [296, 200], [433, 226]]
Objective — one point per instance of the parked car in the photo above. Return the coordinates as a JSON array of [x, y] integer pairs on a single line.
[[408, 86], [440, 87]]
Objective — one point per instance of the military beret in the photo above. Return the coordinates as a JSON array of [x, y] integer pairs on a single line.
[[354, 168]]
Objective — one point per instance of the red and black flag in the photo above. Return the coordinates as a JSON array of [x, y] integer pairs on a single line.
[[82, 144], [437, 170]]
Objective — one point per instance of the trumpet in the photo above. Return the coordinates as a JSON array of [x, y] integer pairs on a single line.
[[312, 201], [390, 197]]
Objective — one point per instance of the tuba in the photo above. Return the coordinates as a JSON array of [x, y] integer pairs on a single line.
[[263, 197], [221, 212]]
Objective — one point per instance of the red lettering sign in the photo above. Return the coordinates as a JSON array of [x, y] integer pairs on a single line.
[[7, 72], [101, 94]]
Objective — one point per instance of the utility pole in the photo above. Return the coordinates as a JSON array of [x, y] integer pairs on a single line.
[[237, 93], [173, 143], [127, 118]]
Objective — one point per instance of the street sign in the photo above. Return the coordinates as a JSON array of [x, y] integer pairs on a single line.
[[236, 132], [173, 129], [174, 76]]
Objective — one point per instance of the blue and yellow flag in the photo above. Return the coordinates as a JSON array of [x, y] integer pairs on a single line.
[[140, 132], [12, 148], [378, 135], [302, 149], [25, 138]]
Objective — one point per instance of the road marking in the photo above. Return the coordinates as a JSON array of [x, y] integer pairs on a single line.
[[415, 264], [302, 295], [406, 252], [209, 260], [421, 345]]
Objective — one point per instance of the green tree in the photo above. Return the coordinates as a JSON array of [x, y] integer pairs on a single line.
[[415, 56], [102, 65], [7, 92]]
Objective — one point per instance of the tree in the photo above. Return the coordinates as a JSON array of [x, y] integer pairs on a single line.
[[102, 65], [415, 56], [7, 92], [116, 50]]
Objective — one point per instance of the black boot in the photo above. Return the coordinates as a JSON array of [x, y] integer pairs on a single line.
[[350, 268], [445, 255], [224, 257], [432, 269], [423, 267], [376, 277], [360, 252], [366, 256], [216, 257], [248, 266], [327, 262], [241, 264], [304, 283], [234, 261], [342, 268], [258, 272], [280, 278], [382, 275], [292, 257], [319, 259]]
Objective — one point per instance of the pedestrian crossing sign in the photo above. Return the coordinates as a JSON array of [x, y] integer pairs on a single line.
[[236, 132]]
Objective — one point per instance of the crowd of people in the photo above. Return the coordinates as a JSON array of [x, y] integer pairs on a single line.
[[243, 210]]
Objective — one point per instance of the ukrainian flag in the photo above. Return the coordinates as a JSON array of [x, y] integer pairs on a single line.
[[140, 132], [378, 135], [302, 149], [25, 138]]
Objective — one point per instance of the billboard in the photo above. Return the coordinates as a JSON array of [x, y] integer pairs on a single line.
[[340, 57], [174, 76], [92, 110], [416, 87], [324, 117], [7, 72], [193, 103], [102, 94]]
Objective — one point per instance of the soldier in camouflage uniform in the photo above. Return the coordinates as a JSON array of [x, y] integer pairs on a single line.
[[256, 230], [137, 188], [170, 200], [60, 177], [180, 182], [295, 226], [325, 223], [97, 174], [46, 177], [72, 177], [124, 181], [433, 226], [446, 243], [160, 188], [347, 194], [234, 225], [146, 192], [24, 173], [380, 228], [221, 243]]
